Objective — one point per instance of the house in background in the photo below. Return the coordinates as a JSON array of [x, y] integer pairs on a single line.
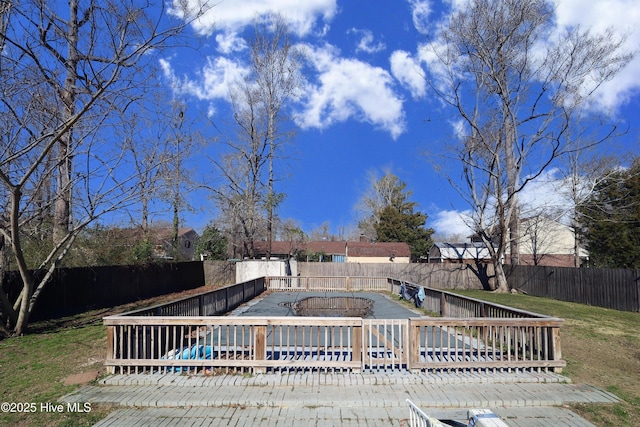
[[543, 242], [337, 251], [548, 242], [161, 240]]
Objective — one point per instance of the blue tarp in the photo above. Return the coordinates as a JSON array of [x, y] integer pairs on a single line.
[[196, 352]]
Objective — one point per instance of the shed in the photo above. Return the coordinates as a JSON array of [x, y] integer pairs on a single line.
[[459, 253]]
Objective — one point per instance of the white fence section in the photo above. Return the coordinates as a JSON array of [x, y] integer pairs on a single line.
[[417, 418]]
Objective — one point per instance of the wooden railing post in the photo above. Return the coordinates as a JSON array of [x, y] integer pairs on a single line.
[[110, 347], [556, 348], [413, 358], [260, 349], [356, 346]]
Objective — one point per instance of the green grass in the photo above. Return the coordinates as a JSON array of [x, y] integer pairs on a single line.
[[601, 347], [33, 368]]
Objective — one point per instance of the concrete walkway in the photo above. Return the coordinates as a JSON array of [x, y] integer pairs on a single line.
[[317, 399]]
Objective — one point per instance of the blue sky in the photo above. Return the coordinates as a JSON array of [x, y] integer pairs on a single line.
[[365, 107]]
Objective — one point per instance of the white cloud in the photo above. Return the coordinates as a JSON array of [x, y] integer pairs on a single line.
[[212, 82], [623, 16], [420, 11], [459, 127], [548, 194], [231, 15], [449, 223], [598, 17], [350, 89], [366, 43], [408, 72], [230, 42]]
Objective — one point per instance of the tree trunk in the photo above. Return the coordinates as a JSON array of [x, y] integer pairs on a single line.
[[62, 207], [514, 232], [25, 274], [271, 195], [501, 277], [176, 226]]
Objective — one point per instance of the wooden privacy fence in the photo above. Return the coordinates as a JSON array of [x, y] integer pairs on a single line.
[[328, 284], [614, 288], [472, 337]]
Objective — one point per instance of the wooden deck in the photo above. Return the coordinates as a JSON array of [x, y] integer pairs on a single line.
[[347, 399], [142, 342]]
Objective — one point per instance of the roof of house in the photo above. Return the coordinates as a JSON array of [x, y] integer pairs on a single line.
[[378, 249], [471, 250]]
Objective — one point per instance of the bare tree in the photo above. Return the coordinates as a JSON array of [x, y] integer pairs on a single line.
[[515, 93], [380, 193], [65, 78], [241, 193], [259, 106], [275, 64], [176, 182], [143, 131], [583, 170]]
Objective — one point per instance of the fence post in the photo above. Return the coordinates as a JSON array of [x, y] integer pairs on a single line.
[[356, 346], [637, 296], [110, 348], [260, 340], [443, 304], [413, 358], [556, 349]]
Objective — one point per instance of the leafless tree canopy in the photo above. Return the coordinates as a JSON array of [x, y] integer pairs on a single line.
[[516, 91], [379, 194], [68, 72], [247, 196]]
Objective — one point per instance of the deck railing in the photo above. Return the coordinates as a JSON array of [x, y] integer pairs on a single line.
[[182, 344], [417, 417], [472, 336], [210, 303], [481, 343]]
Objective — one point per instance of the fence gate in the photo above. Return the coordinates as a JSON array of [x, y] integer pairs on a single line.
[[385, 344]]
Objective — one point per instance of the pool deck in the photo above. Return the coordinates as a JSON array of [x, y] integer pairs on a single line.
[[344, 399], [371, 399]]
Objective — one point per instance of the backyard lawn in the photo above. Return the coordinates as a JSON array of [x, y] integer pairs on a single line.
[[601, 347]]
